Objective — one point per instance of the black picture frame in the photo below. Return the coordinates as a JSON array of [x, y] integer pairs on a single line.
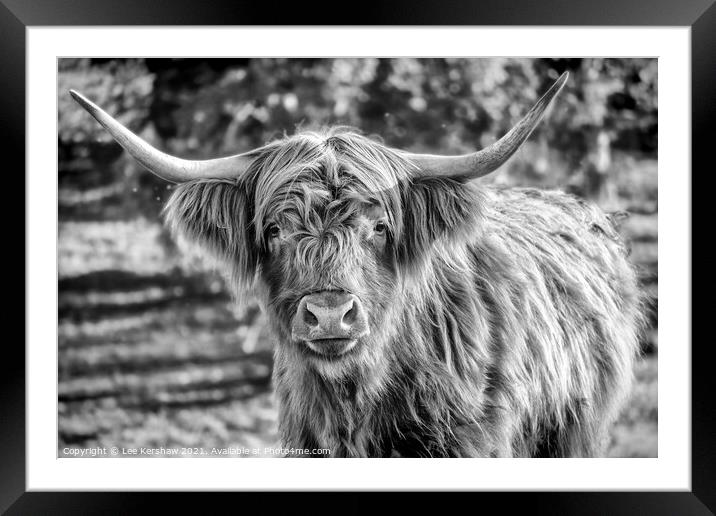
[[17, 15]]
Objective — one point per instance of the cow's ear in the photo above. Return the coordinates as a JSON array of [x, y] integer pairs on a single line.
[[216, 215], [436, 209]]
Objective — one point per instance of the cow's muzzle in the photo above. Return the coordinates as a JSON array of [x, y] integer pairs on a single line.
[[330, 322]]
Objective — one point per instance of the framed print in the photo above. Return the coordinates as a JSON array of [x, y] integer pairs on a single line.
[[431, 252]]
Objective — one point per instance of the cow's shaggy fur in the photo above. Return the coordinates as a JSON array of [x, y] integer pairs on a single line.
[[504, 322]]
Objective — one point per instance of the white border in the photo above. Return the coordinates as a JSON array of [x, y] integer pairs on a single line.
[[671, 470]]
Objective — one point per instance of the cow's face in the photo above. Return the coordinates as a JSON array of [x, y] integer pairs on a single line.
[[327, 212], [329, 232]]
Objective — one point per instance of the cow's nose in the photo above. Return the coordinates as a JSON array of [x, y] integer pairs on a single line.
[[330, 315]]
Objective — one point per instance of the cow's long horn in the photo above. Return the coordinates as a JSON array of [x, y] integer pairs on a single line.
[[165, 166], [472, 166]]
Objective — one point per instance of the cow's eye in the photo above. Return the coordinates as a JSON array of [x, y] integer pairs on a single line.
[[380, 227], [273, 231]]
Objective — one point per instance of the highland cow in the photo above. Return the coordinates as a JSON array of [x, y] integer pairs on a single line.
[[417, 313]]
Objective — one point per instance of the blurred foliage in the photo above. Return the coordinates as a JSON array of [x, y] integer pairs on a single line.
[[123, 88], [202, 108]]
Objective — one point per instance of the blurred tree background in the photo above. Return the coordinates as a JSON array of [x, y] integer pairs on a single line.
[[152, 351]]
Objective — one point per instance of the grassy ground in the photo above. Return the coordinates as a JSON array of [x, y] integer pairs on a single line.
[[152, 352]]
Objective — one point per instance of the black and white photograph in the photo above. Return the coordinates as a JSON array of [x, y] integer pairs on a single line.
[[357, 257]]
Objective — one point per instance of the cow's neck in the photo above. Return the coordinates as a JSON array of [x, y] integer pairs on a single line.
[[357, 419], [341, 415]]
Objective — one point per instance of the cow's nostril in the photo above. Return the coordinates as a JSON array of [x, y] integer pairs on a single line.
[[350, 316], [309, 318]]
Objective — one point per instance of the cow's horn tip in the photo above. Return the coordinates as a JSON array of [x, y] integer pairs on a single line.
[[562, 79], [79, 98]]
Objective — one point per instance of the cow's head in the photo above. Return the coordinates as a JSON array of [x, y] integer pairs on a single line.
[[327, 229]]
